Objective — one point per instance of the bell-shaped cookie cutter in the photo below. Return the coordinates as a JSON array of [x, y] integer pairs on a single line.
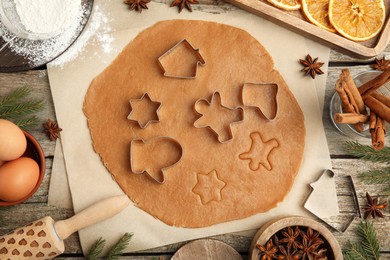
[[140, 140], [200, 60], [218, 97], [143, 126], [256, 106]]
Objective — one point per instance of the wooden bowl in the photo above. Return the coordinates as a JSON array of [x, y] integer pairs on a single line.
[[35, 152], [274, 226]]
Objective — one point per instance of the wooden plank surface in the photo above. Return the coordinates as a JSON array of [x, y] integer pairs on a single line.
[[343, 164]]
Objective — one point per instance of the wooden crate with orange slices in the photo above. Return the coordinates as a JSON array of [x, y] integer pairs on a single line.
[[359, 26]]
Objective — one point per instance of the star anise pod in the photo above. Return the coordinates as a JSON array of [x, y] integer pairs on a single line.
[[308, 250], [381, 64], [311, 67], [137, 5], [320, 254], [184, 3], [268, 251], [287, 254], [52, 129], [373, 207], [312, 237], [290, 237]]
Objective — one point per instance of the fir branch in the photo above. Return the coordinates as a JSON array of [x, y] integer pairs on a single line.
[[96, 249], [25, 108], [381, 176], [367, 248], [27, 123], [366, 152], [118, 248], [14, 96]]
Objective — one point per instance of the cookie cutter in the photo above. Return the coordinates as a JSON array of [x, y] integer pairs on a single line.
[[257, 107], [218, 97], [161, 171], [145, 95], [200, 60]]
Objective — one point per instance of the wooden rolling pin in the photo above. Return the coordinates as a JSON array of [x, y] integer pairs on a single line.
[[43, 239]]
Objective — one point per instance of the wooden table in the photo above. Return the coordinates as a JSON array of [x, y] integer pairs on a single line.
[[343, 164]]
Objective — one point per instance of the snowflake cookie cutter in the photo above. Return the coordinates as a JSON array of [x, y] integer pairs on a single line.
[[250, 103], [171, 74], [156, 175], [216, 97], [143, 125]]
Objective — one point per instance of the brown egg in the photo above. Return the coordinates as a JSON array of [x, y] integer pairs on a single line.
[[12, 141], [18, 178]]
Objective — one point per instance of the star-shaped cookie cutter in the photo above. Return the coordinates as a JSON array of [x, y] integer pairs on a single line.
[[143, 126], [257, 106], [218, 98], [200, 60]]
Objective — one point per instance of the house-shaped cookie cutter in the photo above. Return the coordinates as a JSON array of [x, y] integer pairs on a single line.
[[171, 74], [218, 96]]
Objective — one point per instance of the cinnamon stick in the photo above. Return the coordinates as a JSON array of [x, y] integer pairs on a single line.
[[377, 130], [353, 90], [378, 107], [369, 87], [350, 118], [385, 100]]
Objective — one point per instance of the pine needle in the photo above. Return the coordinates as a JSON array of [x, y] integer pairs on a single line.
[[119, 247], [381, 176], [367, 248], [368, 153], [96, 249], [15, 95], [27, 123]]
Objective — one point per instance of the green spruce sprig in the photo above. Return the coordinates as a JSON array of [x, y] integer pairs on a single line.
[[367, 247], [378, 176], [16, 108], [366, 152], [114, 253]]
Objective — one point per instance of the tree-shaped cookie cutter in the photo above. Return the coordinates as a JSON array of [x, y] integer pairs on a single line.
[[216, 95], [186, 43], [161, 171], [247, 103], [143, 126]]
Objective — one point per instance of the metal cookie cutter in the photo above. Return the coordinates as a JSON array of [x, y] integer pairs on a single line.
[[174, 74], [145, 98], [156, 173], [217, 102], [273, 102]]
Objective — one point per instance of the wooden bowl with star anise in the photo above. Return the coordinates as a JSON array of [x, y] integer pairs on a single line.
[[294, 238]]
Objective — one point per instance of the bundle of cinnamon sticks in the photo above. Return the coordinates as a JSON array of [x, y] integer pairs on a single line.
[[354, 101]]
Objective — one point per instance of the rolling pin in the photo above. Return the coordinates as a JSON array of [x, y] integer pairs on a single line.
[[43, 239]]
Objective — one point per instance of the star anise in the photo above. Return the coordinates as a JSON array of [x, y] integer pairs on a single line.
[[381, 64], [290, 237], [320, 254], [137, 5], [52, 129], [312, 237], [373, 207], [311, 67], [287, 254], [268, 251], [184, 3]]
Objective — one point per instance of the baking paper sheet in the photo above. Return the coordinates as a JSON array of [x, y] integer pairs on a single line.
[[89, 180]]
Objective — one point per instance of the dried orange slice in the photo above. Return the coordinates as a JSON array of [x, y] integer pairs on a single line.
[[316, 11], [286, 4], [357, 20]]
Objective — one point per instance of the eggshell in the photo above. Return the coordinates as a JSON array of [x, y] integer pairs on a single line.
[[18, 178], [13, 143]]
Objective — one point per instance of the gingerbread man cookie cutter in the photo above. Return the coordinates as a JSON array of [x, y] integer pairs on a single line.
[[173, 74], [156, 174], [216, 97], [250, 103]]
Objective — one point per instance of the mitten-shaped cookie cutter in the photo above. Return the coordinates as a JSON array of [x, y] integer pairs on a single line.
[[216, 100], [155, 173]]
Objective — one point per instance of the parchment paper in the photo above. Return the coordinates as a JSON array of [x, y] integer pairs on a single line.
[[89, 180]]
